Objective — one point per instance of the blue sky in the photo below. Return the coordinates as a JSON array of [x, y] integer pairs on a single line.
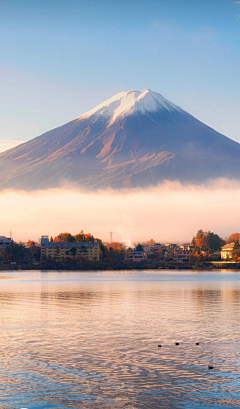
[[60, 58]]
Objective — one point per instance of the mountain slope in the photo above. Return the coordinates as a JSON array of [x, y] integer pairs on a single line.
[[134, 139]]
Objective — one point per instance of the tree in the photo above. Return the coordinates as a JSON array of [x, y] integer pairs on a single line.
[[213, 242], [151, 242], [139, 247], [128, 253], [234, 237], [35, 250], [15, 252], [64, 237], [84, 251], [236, 254], [57, 251], [115, 246], [78, 238], [236, 245], [207, 241], [73, 251], [81, 237]]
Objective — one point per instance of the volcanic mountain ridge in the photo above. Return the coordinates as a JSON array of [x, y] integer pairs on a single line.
[[132, 140]]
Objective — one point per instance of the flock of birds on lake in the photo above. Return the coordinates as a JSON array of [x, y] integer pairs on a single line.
[[197, 343]]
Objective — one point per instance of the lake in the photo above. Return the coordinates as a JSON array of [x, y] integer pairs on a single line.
[[90, 339]]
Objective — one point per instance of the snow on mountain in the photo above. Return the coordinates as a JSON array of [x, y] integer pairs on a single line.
[[134, 139], [128, 103]]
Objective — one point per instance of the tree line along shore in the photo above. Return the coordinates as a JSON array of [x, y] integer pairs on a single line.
[[85, 252]]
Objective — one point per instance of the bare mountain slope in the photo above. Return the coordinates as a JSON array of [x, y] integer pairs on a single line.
[[134, 139]]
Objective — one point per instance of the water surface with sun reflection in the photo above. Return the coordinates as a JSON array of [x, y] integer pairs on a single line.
[[90, 339]]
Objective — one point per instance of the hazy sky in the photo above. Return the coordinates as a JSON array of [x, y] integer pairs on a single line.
[[60, 58]]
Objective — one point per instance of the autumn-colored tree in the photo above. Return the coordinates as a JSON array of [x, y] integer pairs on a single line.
[[200, 243], [151, 242], [78, 238], [34, 248], [207, 241], [88, 237], [234, 237], [115, 246], [30, 243], [64, 238]]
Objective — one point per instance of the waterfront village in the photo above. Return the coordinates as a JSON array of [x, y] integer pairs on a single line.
[[85, 252]]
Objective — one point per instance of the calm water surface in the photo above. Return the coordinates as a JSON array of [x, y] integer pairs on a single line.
[[90, 340]]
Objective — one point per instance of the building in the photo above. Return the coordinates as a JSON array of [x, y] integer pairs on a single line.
[[65, 250], [187, 246], [181, 255], [4, 242], [227, 251], [135, 256]]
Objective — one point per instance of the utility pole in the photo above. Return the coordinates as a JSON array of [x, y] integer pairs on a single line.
[[111, 236]]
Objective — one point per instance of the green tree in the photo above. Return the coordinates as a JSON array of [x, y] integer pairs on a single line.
[[57, 251], [236, 245], [73, 251], [213, 242], [15, 252], [139, 247], [236, 254], [83, 251], [209, 242]]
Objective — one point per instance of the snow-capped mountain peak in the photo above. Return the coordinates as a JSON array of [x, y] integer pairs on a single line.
[[130, 102], [132, 140]]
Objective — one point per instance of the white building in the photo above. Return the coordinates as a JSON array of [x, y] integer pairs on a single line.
[[227, 251], [135, 256], [4, 242], [182, 255]]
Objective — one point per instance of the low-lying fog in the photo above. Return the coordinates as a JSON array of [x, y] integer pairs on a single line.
[[170, 212]]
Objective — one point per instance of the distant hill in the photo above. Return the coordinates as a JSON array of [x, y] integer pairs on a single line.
[[134, 139]]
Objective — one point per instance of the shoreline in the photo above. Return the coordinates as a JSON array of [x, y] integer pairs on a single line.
[[206, 266]]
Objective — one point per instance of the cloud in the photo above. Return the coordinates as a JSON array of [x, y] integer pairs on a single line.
[[238, 3], [170, 212], [8, 144]]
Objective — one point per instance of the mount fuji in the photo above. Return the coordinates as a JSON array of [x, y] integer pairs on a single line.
[[134, 139]]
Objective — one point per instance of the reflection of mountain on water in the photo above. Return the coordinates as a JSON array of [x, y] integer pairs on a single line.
[[71, 295], [206, 296]]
